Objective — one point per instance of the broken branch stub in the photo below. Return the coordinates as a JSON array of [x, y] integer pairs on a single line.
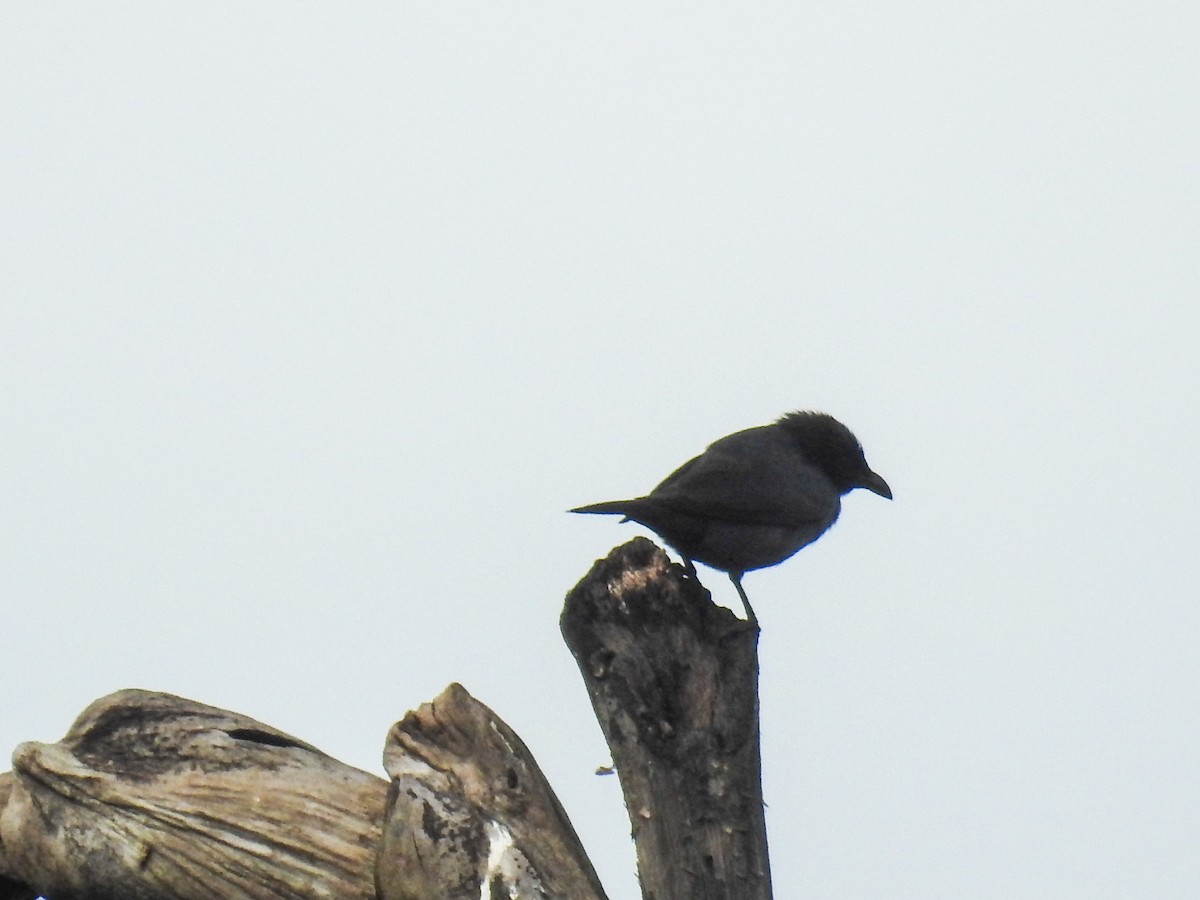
[[470, 814], [673, 680], [154, 797]]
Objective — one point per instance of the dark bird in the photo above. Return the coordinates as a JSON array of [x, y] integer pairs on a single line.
[[755, 497]]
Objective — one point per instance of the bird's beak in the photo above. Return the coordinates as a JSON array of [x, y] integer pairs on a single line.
[[876, 485]]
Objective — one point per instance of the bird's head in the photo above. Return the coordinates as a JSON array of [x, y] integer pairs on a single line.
[[831, 446]]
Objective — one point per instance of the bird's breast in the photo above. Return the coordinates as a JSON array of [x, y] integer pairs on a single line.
[[733, 547]]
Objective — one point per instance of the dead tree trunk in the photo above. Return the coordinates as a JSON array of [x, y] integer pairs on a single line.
[[674, 683]]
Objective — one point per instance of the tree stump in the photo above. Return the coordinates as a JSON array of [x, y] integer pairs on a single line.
[[673, 680]]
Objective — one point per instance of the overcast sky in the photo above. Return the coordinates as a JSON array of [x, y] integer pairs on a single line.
[[316, 318]]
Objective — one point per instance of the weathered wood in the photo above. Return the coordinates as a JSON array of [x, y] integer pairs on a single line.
[[470, 814], [674, 683], [153, 797]]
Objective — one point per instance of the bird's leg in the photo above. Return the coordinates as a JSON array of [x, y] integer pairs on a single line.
[[690, 568], [736, 578]]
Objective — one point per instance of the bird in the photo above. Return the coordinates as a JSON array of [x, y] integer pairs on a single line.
[[755, 497]]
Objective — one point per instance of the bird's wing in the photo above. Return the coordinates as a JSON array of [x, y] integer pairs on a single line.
[[747, 479]]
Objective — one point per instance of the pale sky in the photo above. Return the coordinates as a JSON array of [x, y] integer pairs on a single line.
[[316, 318]]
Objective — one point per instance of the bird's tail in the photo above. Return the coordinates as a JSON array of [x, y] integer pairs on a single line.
[[611, 507]]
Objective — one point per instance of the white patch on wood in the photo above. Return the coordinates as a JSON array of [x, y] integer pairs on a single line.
[[508, 866], [500, 842]]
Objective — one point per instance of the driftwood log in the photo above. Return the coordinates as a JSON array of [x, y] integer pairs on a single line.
[[154, 797], [673, 680], [151, 796]]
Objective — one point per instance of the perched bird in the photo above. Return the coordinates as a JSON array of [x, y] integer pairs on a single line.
[[755, 497]]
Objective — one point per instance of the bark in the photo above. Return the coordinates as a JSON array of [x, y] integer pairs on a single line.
[[470, 815], [673, 680], [153, 797]]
